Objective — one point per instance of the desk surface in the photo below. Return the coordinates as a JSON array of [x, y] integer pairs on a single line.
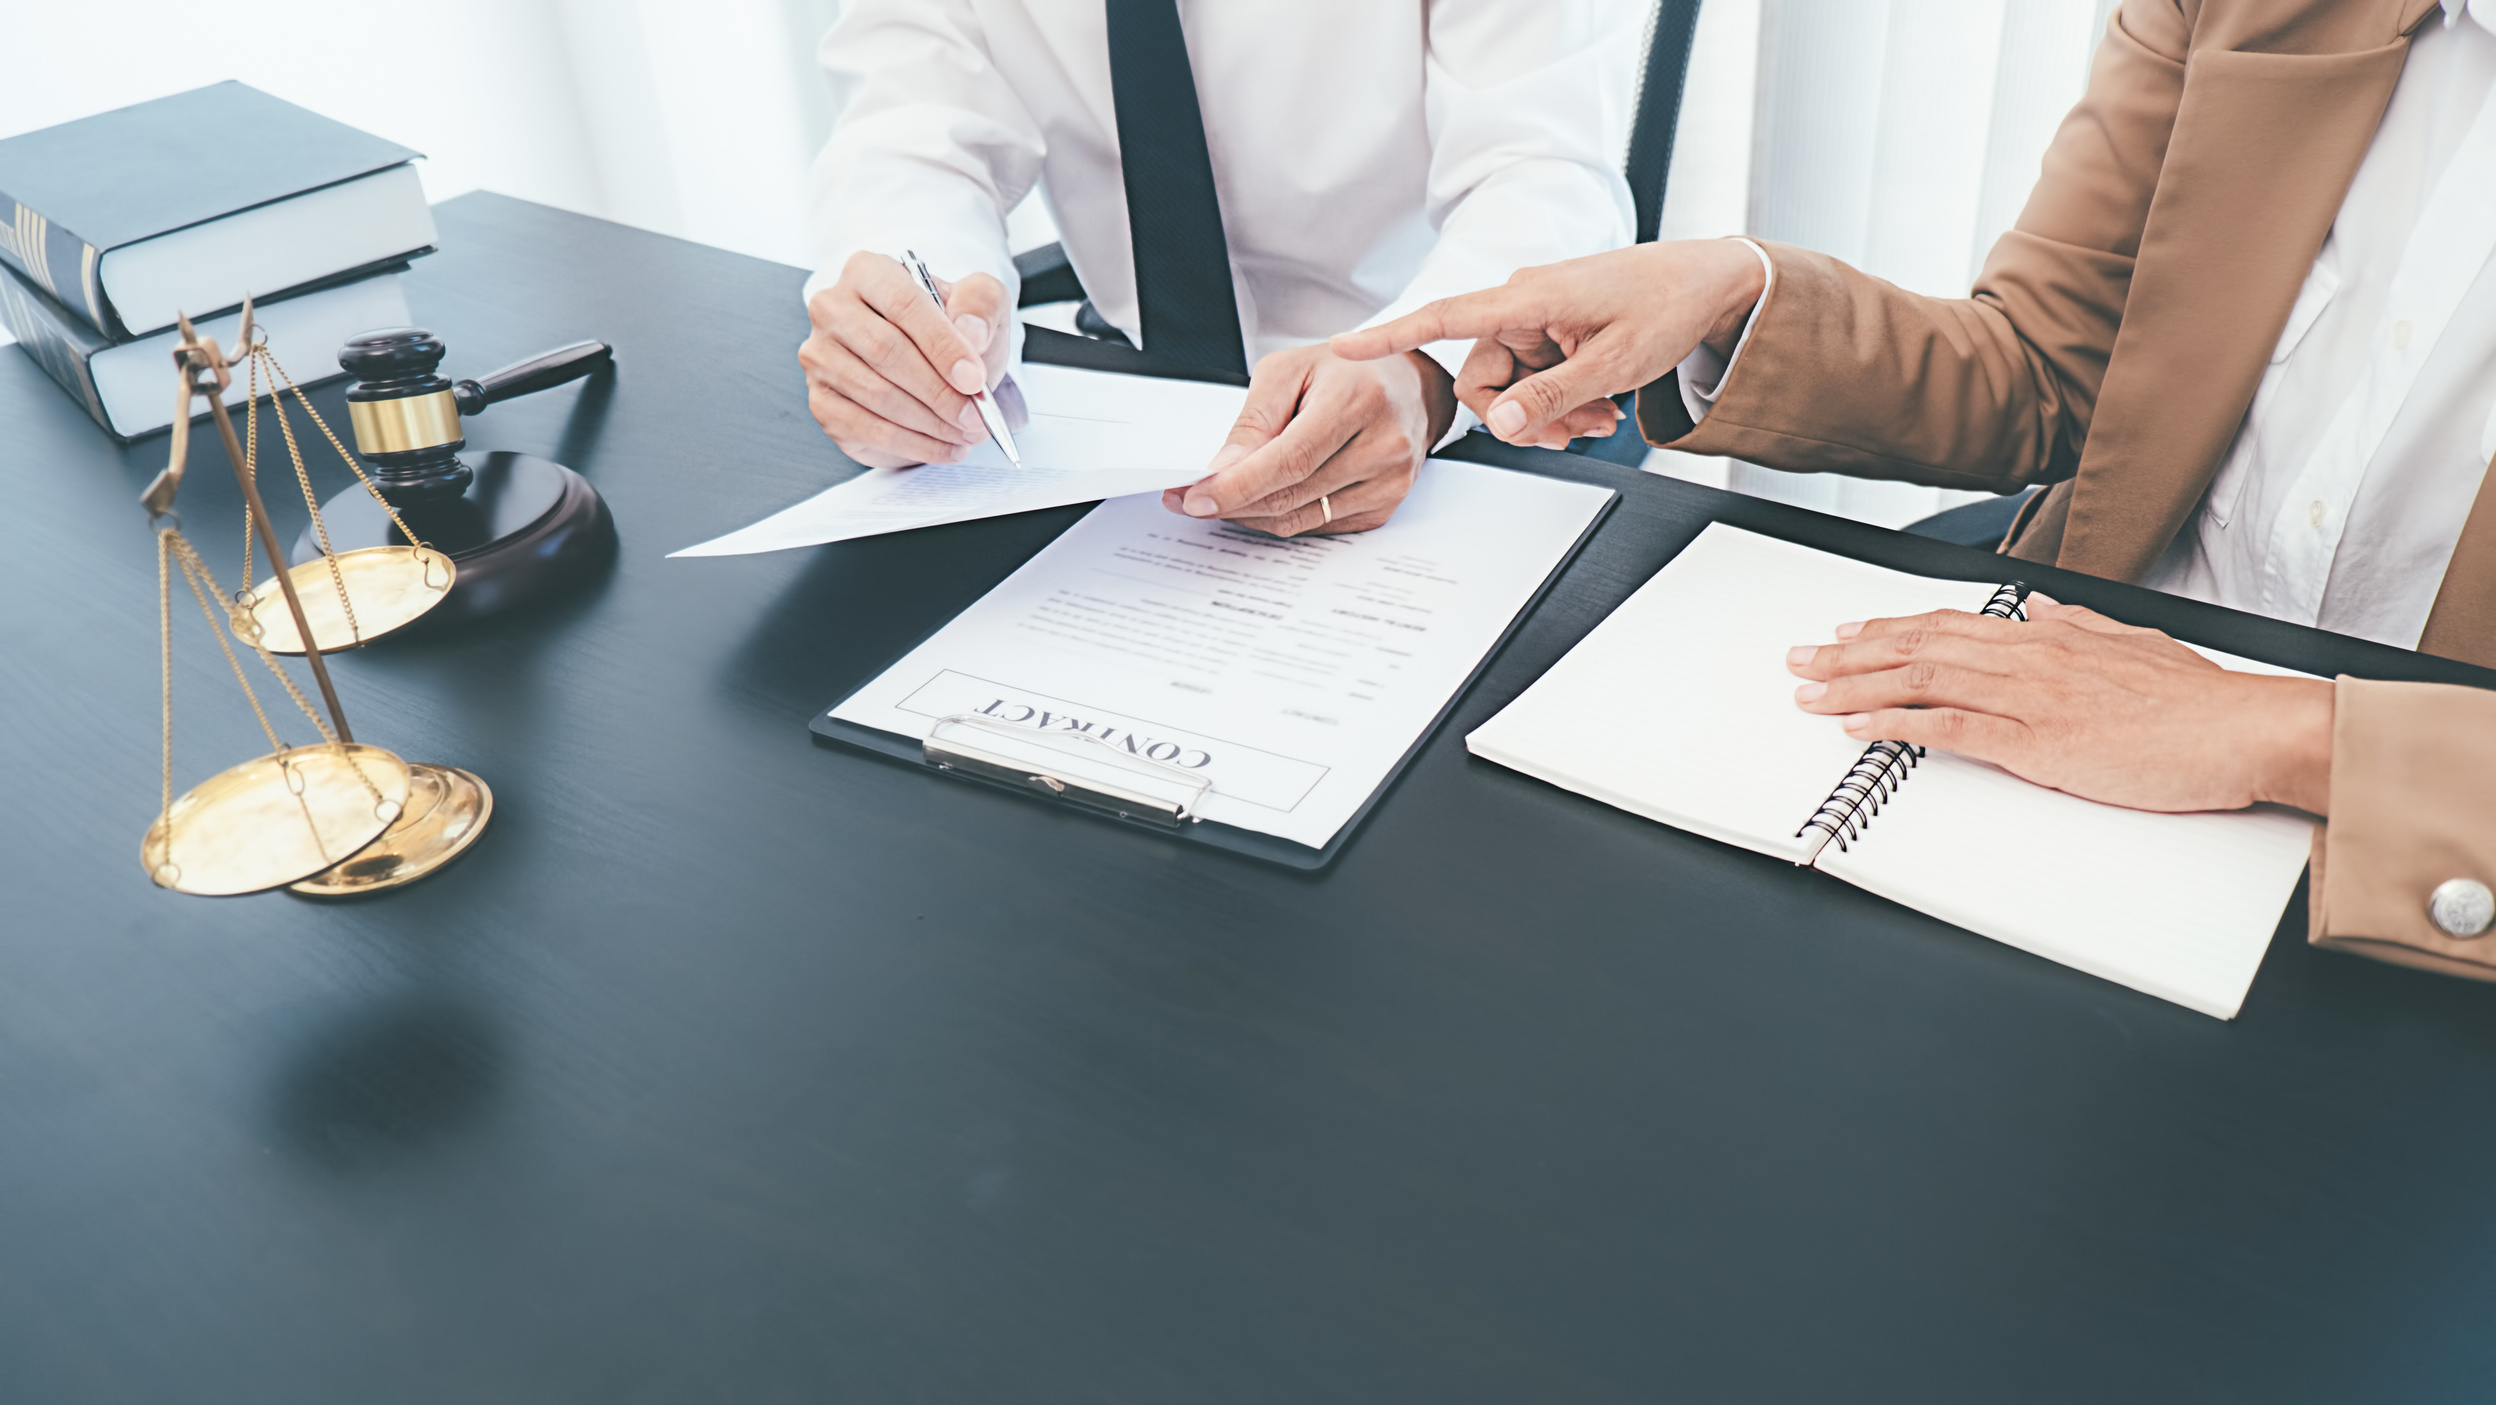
[[729, 1067]]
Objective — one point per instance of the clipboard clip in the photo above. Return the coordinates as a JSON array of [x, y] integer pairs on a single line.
[[1075, 767]]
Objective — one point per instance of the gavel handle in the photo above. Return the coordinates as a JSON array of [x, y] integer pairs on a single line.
[[540, 372]]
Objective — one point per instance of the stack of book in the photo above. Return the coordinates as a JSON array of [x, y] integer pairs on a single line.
[[119, 224]]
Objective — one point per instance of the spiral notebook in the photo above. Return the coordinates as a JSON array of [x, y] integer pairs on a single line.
[[1679, 708]]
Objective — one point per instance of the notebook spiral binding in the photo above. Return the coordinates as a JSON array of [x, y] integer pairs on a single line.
[[1883, 767], [1873, 778]]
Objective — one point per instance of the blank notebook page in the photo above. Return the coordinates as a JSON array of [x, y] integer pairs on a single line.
[[2177, 906], [1679, 706]]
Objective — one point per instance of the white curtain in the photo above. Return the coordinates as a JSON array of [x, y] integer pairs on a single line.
[[1899, 135]]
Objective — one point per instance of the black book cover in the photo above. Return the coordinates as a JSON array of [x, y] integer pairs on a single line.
[[56, 338], [76, 190], [63, 345]]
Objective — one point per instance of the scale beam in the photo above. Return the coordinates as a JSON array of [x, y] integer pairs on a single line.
[[205, 374]]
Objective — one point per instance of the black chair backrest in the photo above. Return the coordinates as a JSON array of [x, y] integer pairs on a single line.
[[1670, 29]]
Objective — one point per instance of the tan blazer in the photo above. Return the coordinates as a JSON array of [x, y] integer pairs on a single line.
[[2113, 343]]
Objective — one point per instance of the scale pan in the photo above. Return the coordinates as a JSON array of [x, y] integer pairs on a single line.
[[391, 586], [446, 810], [275, 819]]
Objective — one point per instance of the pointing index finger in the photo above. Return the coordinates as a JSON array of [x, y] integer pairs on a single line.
[[1469, 315]]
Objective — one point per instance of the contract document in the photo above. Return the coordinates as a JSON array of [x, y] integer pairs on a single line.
[[1092, 435], [1293, 675]]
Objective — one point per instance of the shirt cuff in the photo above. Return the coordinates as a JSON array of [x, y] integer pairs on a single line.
[[1703, 372]]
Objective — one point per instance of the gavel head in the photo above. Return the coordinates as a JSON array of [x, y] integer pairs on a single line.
[[405, 417]]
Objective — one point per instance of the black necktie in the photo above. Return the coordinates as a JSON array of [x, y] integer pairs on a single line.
[[1182, 263]]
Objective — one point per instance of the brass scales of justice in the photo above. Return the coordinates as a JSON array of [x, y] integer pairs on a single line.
[[336, 818]]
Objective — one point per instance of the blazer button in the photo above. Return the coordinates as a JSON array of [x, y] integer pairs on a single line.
[[2462, 907]]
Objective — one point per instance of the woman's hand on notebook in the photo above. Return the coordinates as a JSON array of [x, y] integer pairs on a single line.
[[1554, 344], [2074, 700]]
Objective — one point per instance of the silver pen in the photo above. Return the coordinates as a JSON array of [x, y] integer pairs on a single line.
[[989, 414]]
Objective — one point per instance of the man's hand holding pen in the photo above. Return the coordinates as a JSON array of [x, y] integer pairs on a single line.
[[890, 375]]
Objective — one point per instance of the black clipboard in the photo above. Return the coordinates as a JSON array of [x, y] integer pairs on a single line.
[[831, 731]]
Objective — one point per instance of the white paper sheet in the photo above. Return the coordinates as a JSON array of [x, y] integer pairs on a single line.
[[1294, 674], [1092, 435]]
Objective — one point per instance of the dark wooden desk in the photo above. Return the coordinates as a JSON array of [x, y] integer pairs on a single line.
[[729, 1068]]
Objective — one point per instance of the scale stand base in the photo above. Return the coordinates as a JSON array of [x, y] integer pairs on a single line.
[[524, 530]]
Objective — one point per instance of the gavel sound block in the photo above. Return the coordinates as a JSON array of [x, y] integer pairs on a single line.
[[520, 528]]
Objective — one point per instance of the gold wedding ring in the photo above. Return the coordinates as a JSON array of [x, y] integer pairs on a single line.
[[1326, 508]]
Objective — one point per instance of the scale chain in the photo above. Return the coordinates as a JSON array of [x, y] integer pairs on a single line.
[[303, 477], [251, 462], [278, 371], [194, 571], [203, 583], [251, 467]]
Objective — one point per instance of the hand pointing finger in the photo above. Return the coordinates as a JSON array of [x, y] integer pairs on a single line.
[[1480, 314]]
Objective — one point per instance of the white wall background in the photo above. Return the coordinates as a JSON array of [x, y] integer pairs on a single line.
[[1899, 134], [696, 117]]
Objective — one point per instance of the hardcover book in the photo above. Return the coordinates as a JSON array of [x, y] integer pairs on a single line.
[[189, 203], [128, 386]]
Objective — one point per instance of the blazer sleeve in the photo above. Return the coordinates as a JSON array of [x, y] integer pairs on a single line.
[[1846, 373], [2413, 805]]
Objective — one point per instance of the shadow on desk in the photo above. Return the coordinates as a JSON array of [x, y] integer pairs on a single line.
[[388, 1082], [586, 421]]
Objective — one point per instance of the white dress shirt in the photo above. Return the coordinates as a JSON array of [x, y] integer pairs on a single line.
[[1370, 155], [2372, 426]]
